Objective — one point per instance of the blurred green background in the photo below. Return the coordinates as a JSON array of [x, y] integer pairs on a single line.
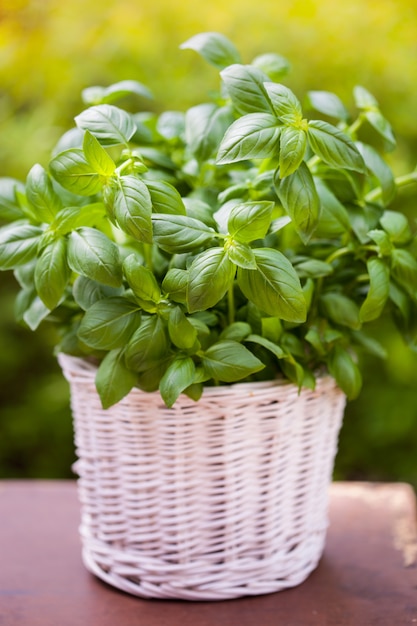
[[50, 50]]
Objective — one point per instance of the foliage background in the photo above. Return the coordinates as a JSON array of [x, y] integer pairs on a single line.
[[50, 50]]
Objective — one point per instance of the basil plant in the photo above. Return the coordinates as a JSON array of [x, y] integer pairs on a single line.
[[245, 239]]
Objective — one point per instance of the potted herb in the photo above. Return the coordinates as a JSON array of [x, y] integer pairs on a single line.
[[244, 241]]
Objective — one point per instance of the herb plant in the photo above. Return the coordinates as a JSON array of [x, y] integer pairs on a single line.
[[239, 240]]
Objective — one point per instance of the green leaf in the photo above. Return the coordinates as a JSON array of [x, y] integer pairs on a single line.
[[241, 254], [113, 379], [250, 220], [214, 48], [205, 126], [92, 254], [165, 198], [298, 195], [199, 210], [345, 371], [380, 169], [52, 273], [274, 286], [378, 293], [229, 361], [171, 125], [178, 376], [382, 126], [10, 209], [132, 207], [109, 323], [268, 344], [273, 65], [41, 194], [179, 233], [87, 292], [341, 309], [175, 284], [211, 274], [18, 244], [148, 345], [141, 280], [370, 344], [245, 86], [72, 170], [237, 331], [96, 155], [382, 240], [333, 218], [397, 227], [253, 136], [30, 309], [293, 143], [334, 147], [181, 331], [313, 268], [285, 103], [106, 95], [109, 124], [363, 98], [328, 103], [404, 270]]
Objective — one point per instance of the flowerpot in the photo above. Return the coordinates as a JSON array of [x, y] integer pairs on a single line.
[[208, 500]]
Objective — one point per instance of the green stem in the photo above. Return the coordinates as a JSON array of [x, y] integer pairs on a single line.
[[353, 128], [231, 305], [337, 253], [147, 253], [400, 181]]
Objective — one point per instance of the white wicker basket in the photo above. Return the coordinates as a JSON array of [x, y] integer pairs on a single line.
[[217, 499]]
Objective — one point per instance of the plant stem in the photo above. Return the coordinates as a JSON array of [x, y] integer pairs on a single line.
[[231, 305], [147, 253], [400, 181]]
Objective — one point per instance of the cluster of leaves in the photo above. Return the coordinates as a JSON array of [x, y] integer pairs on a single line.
[[238, 240]]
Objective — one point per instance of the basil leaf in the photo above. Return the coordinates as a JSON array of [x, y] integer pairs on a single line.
[[237, 331], [10, 209], [113, 379], [165, 198], [328, 103], [334, 147], [382, 126], [313, 268], [96, 155], [181, 331], [253, 136], [293, 143], [72, 170], [341, 309], [178, 376], [298, 195], [345, 371], [92, 254], [205, 125], [363, 98], [141, 280], [245, 86], [109, 323], [250, 220], [41, 194], [30, 309], [211, 274], [285, 104], [107, 95], [229, 361], [397, 227], [382, 240], [132, 207], [378, 293], [404, 270], [274, 286], [109, 124], [241, 255], [87, 292], [18, 244], [214, 48], [380, 169], [269, 345], [273, 65], [175, 284], [179, 233], [148, 345], [52, 273]]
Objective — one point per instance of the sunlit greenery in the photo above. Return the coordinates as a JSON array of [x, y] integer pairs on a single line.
[[50, 50]]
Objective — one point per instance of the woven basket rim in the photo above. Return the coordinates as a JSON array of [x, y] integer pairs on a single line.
[[86, 369]]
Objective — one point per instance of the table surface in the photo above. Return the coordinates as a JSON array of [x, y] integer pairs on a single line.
[[368, 574]]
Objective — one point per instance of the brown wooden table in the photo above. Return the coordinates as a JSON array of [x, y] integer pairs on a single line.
[[368, 574]]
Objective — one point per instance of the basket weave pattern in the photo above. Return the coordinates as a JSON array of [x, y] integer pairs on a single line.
[[217, 499]]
